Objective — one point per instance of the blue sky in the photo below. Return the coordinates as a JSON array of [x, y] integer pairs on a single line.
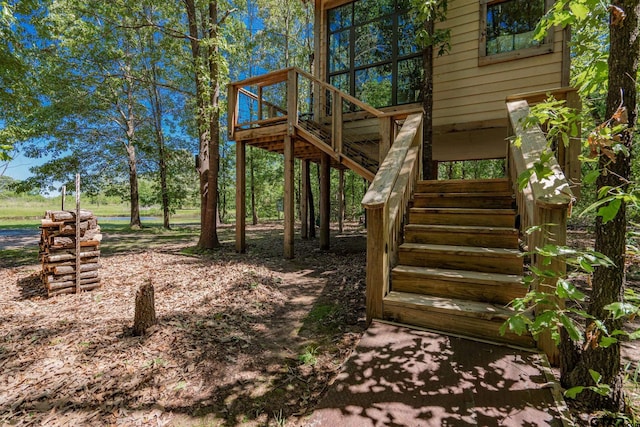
[[18, 167]]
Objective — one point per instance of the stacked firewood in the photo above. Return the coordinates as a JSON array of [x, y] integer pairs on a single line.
[[58, 252]]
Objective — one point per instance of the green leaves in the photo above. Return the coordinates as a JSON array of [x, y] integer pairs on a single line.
[[591, 177], [609, 210], [599, 388], [573, 392], [622, 309], [579, 10]]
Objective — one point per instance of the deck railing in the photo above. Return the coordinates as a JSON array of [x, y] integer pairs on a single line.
[[544, 202], [338, 123], [567, 156], [386, 203]]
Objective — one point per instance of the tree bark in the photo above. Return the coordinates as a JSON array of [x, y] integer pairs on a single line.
[[133, 185], [130, 131], [252, 188], [427, 105], [145, 311], [312, 209], [156, 110], [608, 282], [207, 95]]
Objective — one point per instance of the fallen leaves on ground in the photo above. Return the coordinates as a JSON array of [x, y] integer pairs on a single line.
[[225, 350]]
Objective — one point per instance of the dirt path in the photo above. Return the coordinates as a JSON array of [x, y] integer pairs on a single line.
[[18, 238], [241, 339]]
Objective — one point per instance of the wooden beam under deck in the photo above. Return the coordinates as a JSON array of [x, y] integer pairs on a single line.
[[301, 150]]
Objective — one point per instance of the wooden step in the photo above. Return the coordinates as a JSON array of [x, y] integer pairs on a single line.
[[463, 186], [469, 318], [488, 260], [492, 200], [462, 235], [459, 216], [459, 284]]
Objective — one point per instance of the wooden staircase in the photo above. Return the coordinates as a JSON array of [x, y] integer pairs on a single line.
[[459, 264]]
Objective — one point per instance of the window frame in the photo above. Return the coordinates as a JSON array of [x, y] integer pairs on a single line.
[[393, 61], [547, 45]]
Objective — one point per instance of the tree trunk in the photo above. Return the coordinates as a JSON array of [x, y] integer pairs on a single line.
[[608, 282], [145, 312], [156, 110], [312, 209], [207, 95], [208, 230], [130, 131], [427, 105], [252, 189], [341, 200], [133, 188]]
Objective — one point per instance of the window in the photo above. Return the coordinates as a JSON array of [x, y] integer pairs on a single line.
[[507, 28], [372, 52]]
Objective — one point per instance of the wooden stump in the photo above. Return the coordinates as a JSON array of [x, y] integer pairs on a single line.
[[145, 315]]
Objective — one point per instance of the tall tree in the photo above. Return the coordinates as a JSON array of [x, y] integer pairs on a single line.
[[615, 173], [429, 12], [204, 38]]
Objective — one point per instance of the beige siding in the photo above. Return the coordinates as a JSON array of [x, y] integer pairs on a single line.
[[465, 92], [470, 119]]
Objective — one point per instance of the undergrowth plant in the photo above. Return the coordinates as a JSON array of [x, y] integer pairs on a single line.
[[563, 309]]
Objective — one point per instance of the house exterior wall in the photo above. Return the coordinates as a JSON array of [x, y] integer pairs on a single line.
[[469, 117]]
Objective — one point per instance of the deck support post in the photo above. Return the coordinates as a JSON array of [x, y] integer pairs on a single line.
[[325, 201], [240, 197], [340, 200], [289, 200], [304, 199], [386, 126]]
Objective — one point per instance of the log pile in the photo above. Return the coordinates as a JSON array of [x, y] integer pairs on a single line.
[[58, 252]]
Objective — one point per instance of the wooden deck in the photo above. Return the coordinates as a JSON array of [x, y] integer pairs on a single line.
[[404, 377]]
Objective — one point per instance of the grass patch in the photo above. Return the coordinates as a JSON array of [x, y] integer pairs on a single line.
[[23, 208], [309, 356], [11, 224], [320, 312], [17, 257]]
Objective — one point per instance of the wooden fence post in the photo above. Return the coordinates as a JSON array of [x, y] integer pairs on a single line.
[[78, 259]]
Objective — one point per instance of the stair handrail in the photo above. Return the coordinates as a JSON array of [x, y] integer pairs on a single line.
[[544, 202], [292, 76], [279, 76], [366, 107], [386, 204]]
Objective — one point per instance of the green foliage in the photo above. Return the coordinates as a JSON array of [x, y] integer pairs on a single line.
[[475, 169], [309, 356], [551, 313], [435, 11], [599, 388], [560, 121]]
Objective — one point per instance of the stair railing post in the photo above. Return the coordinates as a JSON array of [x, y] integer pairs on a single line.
[[260, 113], [377, 260], [386, 126], [292, 99], [543, 202], [336, 122], [232, 115], [553, 231]]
